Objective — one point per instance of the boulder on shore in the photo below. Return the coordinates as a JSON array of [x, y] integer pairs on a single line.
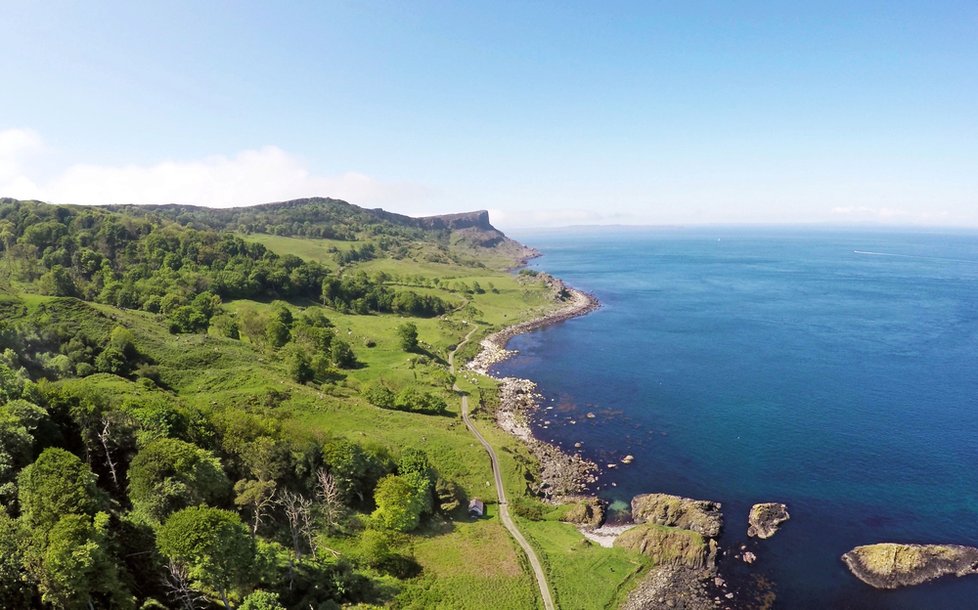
[[586, 511], [766, 518], [701, 516], [670, 546], [888, 565]]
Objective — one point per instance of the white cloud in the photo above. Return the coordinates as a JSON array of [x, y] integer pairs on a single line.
[[17, 148], [246, 178]]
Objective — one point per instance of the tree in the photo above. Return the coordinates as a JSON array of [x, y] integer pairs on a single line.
[[398, 504], [276, 332], [169, 474], [16, 445], [416, 469], [7, 235], [11, 383], [122, 339], [300, 369], [379, 395], [330, 498], [253, 325], [75, 569], [112, 360], [178, 585], [342, 354], [258, 496], [375, 547], [188, 319], [298, 513], [408, 334], [353, 469], [225, 325], [214, 547], [261, 600], [412, 399], [56, 484], [58, 282], [14, 590]]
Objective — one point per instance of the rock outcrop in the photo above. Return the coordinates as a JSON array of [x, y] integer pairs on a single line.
[[701, 516], [588, 512], [888, 565], [766, 518], [670, 587], [670, 546]]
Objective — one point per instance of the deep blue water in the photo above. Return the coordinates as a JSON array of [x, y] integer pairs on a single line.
[[833, 371]]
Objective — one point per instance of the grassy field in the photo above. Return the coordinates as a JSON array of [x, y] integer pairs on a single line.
[[473, 564], [465, 564], [320, 250], [583, 575]]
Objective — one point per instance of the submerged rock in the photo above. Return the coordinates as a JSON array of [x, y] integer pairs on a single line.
[[701, 516], [670, 546], [766, 518], [888, 565]]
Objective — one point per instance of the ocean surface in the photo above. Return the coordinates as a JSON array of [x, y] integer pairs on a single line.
[[834, 371]]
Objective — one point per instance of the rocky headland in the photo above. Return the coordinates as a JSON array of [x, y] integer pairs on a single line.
[[671, 546], [766, 518], [679, 535], [700, 516], [588, 512], [889, 566]]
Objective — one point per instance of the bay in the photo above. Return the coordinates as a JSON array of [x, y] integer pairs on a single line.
[[831, 370]]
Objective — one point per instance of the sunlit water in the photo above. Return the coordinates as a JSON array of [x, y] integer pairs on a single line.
[[832, 371]]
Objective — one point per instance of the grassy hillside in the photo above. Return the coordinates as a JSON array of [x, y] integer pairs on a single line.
[[278, 362]]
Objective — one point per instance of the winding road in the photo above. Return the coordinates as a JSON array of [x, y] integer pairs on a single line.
[[548, 601]]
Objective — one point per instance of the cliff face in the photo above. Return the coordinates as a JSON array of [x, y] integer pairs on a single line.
[[453, 222], [472, 231], [670, 546]]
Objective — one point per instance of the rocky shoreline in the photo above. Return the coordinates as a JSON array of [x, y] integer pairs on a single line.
[[566, 476], [561, 474], [578, 303]]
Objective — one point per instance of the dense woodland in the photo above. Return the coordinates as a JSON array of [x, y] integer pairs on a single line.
[[322, 218], [117, 493]]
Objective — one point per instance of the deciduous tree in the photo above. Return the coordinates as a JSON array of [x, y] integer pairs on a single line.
[[214, 547], [169, 474]]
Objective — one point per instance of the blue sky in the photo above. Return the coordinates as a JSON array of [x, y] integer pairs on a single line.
[[543, 113]]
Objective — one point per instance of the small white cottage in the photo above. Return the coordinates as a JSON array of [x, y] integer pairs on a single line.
[[476, 508]]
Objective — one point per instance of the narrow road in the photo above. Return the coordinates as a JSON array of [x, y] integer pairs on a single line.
[[548, 601]]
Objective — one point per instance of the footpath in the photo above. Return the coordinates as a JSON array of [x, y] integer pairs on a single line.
[[514, 531]]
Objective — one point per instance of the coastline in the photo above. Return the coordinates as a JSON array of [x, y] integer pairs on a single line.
[[566, 476], [562, 474]]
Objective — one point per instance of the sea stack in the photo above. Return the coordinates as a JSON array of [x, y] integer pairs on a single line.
[[889, 566], [766, 518]]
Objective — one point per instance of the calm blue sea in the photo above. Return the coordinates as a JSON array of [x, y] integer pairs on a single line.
[[835, 371]]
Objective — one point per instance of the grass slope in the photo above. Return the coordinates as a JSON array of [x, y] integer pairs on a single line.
[[464, 564]]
